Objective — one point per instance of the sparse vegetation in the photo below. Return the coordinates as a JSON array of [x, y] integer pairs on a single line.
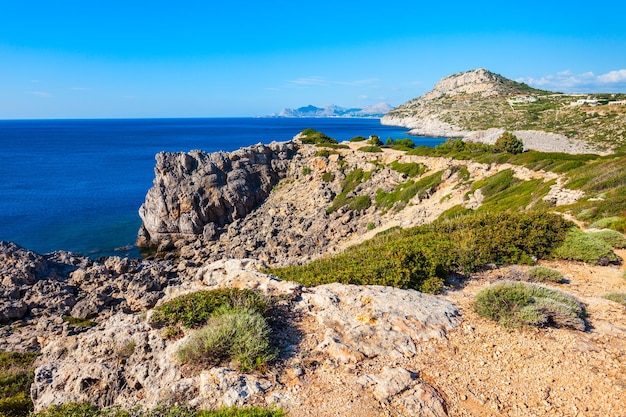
[[517, 304], [613, 238], [544, 274], [371, 148], [195, 309], [358, 139], [87, 410], [407, 190], [237, 334], [618, 297], [422, 257], [584, 247], [313, 137], [348, 185], [328, 177], [410, 169], [16, 376]]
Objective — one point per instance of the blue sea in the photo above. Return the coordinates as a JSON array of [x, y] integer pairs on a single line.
[[77, 184]]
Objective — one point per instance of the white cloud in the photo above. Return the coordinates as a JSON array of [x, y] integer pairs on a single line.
[[613, 77], [40, 93], [567, 81], [323, 81]]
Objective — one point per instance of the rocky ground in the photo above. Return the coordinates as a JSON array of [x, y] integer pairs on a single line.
[[346, 350]]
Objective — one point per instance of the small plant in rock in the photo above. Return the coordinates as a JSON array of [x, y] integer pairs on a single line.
[[306, 170], [195, 309], [517, 304], [328, 177], [371, 148], [544, 274], [235, 334]]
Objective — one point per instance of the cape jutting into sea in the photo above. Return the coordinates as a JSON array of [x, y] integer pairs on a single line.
[[77, 184]]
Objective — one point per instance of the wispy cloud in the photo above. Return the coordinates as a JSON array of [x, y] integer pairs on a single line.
[[40, 93], [569, 82], [323, 81]]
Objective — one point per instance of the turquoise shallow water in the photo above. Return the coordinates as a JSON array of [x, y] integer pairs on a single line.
[[77, 184]]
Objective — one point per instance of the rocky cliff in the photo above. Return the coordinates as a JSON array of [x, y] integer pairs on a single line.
[[197, 193]]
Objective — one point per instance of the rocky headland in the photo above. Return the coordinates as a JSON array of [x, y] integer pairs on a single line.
[[214, 221], [479, 105]]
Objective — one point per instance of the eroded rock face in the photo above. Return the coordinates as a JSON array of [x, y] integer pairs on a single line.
[[196, 193], [38, 291], [127, 362]]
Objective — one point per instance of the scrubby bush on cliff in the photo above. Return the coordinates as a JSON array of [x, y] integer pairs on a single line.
[[16, 376], [313, 137], [195, 309], [410, 169], [508, 142], [371, 148], [407, 190], [239, 334], [422, 257], [516, 304], [405, 144], [349, 184], [235, 328]]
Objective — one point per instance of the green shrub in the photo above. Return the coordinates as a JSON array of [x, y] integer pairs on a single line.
[[78, 322], [613, 238], [411, 169], [306, 170], [516, 304], [603, 223], [312, 137], [584, 247], [407, 190], [374, 141], [236, 334], [16, 376], [454, 212], [422, 257], [544, 274], [370, 148], [16, 406], [195, 309], [358, 139], [405, 144], [328, 177], [508, 142], [371, 226], [361, 202], [618, 297]]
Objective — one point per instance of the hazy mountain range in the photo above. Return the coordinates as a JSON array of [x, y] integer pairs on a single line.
[[331, 110]]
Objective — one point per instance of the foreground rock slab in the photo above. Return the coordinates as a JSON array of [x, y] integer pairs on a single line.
[[342, 333]]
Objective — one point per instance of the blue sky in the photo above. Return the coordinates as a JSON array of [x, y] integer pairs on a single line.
[[136, 58]]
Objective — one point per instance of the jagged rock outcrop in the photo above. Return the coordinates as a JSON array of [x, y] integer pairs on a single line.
[[38, 291], [125, 361], [196, 193]]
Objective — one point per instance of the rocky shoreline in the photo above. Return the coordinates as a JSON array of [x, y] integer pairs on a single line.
[[357, 349]]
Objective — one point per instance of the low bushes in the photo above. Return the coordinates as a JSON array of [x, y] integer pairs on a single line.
[[517, 304], [407, 190], [313, 137], [86, 410], [422, 257], [234, 334], [195, 309], [612, 238], [16, 376], [544, 274], [618, 297], [235, 328], [585, 247]]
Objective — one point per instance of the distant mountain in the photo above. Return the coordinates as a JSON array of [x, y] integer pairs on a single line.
[[377, 110]]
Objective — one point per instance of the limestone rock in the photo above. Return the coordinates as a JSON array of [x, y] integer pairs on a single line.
[[195, 193]]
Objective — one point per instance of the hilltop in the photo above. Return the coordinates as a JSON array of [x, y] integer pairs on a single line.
[[478, 105]]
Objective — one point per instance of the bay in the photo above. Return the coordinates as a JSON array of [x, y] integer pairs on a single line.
[[77, 184]]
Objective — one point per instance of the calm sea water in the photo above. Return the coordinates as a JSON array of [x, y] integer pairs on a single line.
[[77, 184]]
